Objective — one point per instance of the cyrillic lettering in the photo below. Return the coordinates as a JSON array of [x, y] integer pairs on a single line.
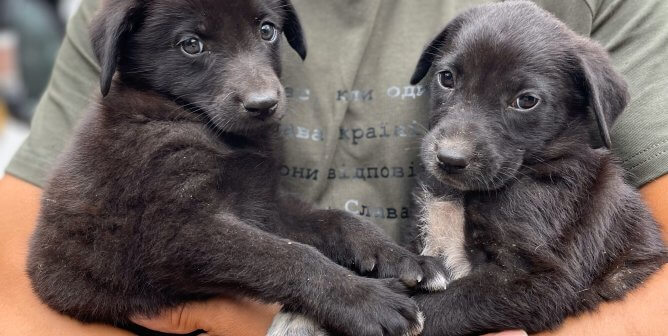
[[409, 92], [297, 172], [394, 92], [359, 174], [368, 96], [342, 95], [358, 134], [343, 133], [385, 172], [400, 131], [372, 172], [404, 212], [352, 206], [397, 172], [317, 135], [378, 212], [364, 211], [305, 95], [312, 174], [303, 133]]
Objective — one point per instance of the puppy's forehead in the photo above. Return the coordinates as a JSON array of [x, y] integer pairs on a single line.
[[520, 36], [217, 15]]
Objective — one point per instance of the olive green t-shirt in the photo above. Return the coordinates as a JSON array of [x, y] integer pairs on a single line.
[[354, 123]]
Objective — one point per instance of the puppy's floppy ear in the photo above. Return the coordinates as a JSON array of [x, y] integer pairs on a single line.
[[110, 26], [435, 48], [293, 29], [606, 91]]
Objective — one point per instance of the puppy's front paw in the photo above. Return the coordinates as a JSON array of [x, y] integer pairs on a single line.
[[435, 284], [437, 276], [367, 250], [374, 308], [388, 260], [289, 324], [417, 327]]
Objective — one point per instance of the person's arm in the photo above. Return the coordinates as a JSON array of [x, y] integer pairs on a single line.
[[644, 310], [22, 313]]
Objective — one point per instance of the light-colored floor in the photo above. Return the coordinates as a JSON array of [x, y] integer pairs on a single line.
[[12, 135]]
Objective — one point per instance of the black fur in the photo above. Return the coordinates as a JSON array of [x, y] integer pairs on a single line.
[[551, 228], [169, 190]]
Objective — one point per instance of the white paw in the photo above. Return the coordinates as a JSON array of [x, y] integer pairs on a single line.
[[436, 283], [288, 324], [418, 327]]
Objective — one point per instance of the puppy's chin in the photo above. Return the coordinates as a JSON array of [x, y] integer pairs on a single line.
[[475, 179]]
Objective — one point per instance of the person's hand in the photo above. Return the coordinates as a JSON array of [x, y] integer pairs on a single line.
[[218, 317], [509, 333]]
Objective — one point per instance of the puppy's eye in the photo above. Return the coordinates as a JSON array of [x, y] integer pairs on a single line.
[[446, 79], [268, 32], [526, 102], [192, 46]]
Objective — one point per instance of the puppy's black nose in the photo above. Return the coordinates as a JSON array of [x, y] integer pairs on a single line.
[[261, 105], [451, 160]]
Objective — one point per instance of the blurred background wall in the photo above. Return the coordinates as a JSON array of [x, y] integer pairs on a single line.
[[30, 34]]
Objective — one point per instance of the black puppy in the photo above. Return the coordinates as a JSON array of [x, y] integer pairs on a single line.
[[169, 192], [535, 224]]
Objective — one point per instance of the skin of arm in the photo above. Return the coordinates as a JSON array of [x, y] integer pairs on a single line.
[[21, 313], [643, 311]]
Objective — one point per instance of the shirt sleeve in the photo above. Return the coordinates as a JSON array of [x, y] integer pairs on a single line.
[[635, 34], [68, 94]]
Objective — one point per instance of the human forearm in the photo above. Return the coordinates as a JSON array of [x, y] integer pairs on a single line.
[[21, 312], [644, 310]]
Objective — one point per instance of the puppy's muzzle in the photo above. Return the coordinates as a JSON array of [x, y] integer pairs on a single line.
[[453, 157], [453, 160], [261, 105]]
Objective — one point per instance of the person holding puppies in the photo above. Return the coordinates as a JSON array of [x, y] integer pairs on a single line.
[[351, 135]]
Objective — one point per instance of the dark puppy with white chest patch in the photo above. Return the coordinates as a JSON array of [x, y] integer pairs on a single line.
[[169, 191], [534, 223]]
